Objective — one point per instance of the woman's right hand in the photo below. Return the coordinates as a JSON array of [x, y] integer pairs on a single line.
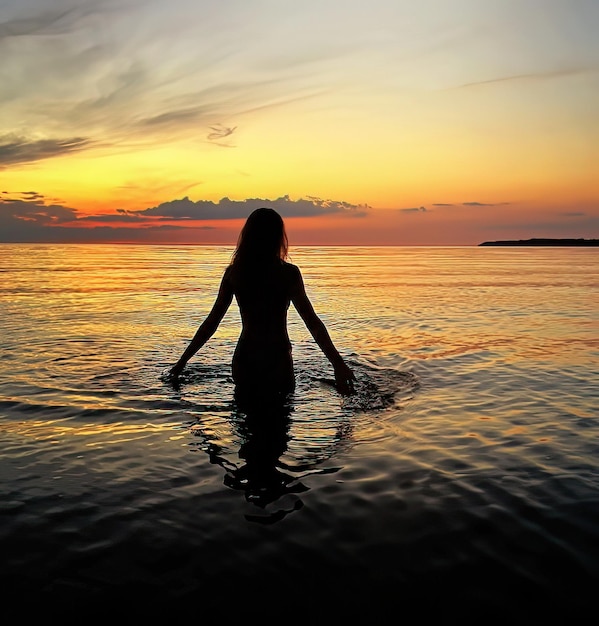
[[344, 379]]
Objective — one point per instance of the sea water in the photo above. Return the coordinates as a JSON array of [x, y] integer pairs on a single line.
[[462, 476]]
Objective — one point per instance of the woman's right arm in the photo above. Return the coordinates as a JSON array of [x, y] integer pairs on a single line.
[[344, 377], [208, 326]]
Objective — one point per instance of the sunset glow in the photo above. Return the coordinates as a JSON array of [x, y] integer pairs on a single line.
[[379, 123]]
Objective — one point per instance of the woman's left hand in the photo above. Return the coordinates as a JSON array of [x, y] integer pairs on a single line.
[[175, 371]]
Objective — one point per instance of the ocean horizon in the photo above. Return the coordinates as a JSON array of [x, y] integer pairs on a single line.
[[461, 480]]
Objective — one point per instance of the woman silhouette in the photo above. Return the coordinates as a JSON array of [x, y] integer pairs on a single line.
[[264, 284]]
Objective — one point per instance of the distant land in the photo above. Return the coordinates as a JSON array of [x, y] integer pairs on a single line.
[[542, 242]]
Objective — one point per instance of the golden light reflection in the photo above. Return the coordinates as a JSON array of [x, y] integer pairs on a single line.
[[53, 431], [516, 430]]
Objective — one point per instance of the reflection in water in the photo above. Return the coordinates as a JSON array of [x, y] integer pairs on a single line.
[[262, 428], [268, 445]]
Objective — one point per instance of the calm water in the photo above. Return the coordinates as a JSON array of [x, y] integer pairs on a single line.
[[461, 480]]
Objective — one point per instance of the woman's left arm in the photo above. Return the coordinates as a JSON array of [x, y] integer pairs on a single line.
[[208, 326]]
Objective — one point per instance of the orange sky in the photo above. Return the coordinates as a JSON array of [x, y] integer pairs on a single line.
[[388, 122]]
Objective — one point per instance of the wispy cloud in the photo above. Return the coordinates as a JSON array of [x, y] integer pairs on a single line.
[[220, 132], [130, 80], [535, 77], [48, 21], [18, 150], [173, 118]]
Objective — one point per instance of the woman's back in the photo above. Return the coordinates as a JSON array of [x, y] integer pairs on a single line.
[[263, 293], [263, 354]]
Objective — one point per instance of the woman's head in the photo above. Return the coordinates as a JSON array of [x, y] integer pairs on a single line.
[[262, 238]]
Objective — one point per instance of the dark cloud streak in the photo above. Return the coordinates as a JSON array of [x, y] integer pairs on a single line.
[[112, 218], [417, 209], [485, 203], [530, 77], [19, 150], [423, 209]]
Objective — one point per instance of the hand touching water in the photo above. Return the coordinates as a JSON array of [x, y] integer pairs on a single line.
[[344, 379], [174, 372]]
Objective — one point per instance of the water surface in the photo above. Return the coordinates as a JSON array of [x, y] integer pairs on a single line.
[[463, 477]]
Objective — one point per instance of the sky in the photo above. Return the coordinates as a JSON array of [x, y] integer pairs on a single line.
[[379, 122]]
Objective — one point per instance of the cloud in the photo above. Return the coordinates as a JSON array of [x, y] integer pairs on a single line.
[[485, 203], [32, 196], [27, 196], [121, 216], [538, 76], [15, 149], [132, 82], [446, 204], [175, 117], [21, 216], [34, 211], [48, 22], [27, 216], [573, 214], [423, 209], [34, 18], [226, 209], [34, 221], [418, 209], [219, 132]]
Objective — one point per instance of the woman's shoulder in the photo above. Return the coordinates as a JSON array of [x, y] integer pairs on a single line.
[[230, 275], [291, 270], [292, 276]]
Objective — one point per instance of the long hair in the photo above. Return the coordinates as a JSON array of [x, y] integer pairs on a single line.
[[262, 239]]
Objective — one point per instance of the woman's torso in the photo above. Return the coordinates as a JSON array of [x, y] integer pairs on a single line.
[[263, 353], [263, 294]]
